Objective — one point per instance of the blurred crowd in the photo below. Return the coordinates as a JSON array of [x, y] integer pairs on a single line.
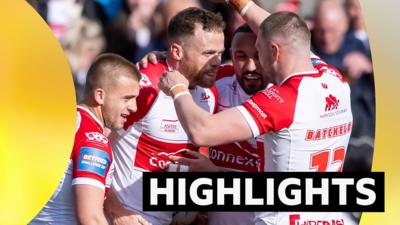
[[132, 28]]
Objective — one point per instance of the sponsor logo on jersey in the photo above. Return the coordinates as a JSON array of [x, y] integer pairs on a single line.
[[145, 81], [234, 87], [96, 136], [169, 126], [161, 160], [93, 160], [295, 219], [329, 132], [236, 159], [273, 93], [257, 108], [332, 103], [205, 97]]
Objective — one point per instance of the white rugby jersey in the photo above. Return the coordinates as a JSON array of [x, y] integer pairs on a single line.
[[91, 163], [244, 156], [150, 135], [308, 120]]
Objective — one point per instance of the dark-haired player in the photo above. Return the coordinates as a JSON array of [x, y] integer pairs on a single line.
[[153, 133]]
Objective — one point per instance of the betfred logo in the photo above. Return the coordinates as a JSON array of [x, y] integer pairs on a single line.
[[94, 158], [332, 103], [95, 136], [295, 219]]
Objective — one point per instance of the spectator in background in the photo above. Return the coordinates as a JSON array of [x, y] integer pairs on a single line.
[[133, 30], [356, 20], [82, 43], [61, 14], [334, 44], [144, 26], [172, 7], [361, 145]]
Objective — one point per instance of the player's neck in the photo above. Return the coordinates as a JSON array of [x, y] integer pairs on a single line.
[[296, 67], [95, 110], [172, 64]]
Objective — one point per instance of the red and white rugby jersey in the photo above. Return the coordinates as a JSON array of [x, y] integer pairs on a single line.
[[307, 120], [150, 135], [246, 156], [91, 163]]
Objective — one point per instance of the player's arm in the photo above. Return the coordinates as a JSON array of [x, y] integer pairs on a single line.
[[118, 214], [203, 128], [89, 204], [253, 14]]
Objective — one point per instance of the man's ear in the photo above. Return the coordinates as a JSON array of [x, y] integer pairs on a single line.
[[176, 51], [275, 52], [99, 95]]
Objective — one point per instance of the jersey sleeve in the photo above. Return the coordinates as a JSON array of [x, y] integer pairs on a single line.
[[92, 161], [270, 110]]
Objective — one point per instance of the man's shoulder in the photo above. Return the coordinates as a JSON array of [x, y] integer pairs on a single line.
[[89, 133], [225, 71], [152, 73]]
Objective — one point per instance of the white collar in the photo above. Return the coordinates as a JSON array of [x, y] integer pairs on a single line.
[[299, 73]]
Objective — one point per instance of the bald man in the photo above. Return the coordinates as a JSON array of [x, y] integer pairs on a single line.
[[110, 96], [334, 44]]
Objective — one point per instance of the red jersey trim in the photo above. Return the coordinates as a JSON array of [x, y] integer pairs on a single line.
[[148, 91], [225, 71], [91, 115]]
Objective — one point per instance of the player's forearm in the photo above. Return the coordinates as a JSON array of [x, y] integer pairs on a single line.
[[89, 205], [112, 205], [195, 121], [253, 14], [92, 218]]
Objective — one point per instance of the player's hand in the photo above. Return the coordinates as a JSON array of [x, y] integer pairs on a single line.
[[152, 58], [196, 161], [357, 64], [128, 218], [118, 215], [170, 79], [217, 1]]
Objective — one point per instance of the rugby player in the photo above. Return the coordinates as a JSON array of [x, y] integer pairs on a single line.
[[306, 118], [235, 84], [153, 133], [110, 97]]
